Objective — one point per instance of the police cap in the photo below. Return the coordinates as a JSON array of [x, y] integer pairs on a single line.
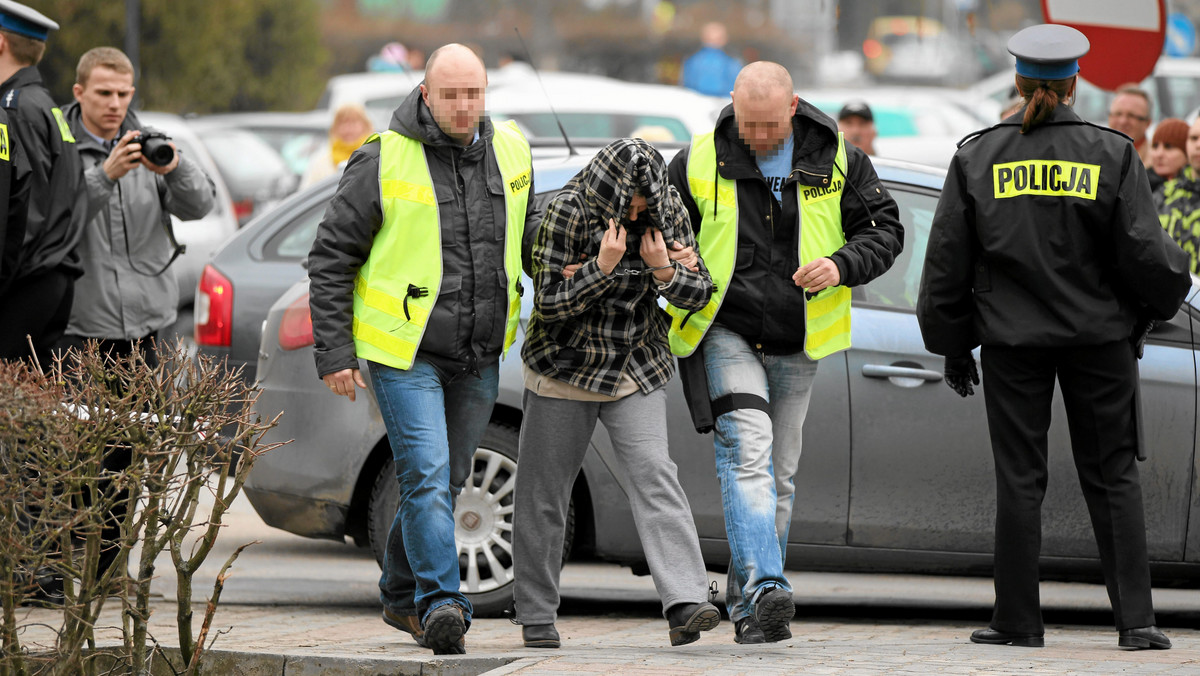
[[22, 20], [1048, 51]]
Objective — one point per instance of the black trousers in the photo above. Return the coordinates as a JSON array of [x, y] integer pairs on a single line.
[[118, 457], [38, 306], [1098, 389]]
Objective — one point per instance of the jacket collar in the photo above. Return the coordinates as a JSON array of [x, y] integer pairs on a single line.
[[28, 75], [815, 146], [83, 139], [412, 118]]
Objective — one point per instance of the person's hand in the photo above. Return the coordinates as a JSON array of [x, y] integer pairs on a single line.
[[569, 271], [653, 249], [342, 382], [961, 374], [817, 275], [166, 168], [685, 255], [612, 247], [1141, 330], [124, 156]]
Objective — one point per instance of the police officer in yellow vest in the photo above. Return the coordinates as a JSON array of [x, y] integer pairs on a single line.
[[1047, 251], [787, 218], [44, 270], [416, 270]]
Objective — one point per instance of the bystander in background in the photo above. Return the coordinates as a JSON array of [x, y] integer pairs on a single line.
[[1168, 151], [1129, 113], [349, 129], [1178, 201], [857, 123], [710, 70]]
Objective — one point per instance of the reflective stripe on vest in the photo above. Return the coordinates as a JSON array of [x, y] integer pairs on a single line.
[[827, 316], [397, 287]]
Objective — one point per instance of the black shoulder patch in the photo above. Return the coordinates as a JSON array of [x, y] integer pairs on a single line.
[[10, 99], [1107, 129], [974, 135]]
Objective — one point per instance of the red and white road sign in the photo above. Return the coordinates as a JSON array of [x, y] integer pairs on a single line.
[[1126, 35]]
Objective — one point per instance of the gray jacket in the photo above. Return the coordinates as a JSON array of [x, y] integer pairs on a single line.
[[465, 332], [126, 242]]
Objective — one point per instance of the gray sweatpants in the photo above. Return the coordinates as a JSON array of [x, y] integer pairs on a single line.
[[554, 440]]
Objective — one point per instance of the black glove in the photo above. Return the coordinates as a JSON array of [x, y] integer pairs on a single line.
[[1141, 330], [961, 374]]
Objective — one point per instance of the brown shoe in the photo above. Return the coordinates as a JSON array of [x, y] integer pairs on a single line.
[[408, 624]]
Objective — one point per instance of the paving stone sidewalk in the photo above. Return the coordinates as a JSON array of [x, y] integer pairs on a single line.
[[307, 641]]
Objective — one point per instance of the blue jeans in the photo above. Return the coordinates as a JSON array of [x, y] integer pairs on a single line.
[[434, 427], [757, 455]]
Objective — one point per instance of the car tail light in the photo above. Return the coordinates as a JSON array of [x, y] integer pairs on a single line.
[[214, 309], [295, 331], [243, 209]]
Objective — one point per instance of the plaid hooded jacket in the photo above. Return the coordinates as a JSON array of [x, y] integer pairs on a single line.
[[589, 329]]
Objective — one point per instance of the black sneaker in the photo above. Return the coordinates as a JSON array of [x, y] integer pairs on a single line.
[[444, 629], [773, 610], [687, 620], [747, 631]]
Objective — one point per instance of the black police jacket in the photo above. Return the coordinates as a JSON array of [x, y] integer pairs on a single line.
[[57, 199], [1046, 239], [14, 193], [762, 303]]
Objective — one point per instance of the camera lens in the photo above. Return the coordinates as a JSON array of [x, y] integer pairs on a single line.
[[157, 150]]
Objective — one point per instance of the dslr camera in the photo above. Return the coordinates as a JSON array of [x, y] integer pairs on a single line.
[[156, 147]]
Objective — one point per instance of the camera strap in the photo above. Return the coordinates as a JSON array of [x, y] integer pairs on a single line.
[[167, 225]]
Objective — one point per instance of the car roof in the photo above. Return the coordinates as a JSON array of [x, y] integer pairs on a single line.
[[310, 119]]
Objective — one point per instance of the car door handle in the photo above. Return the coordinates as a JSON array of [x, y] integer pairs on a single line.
[[881, 371]]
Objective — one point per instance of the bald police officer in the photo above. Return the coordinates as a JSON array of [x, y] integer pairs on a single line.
[[1046, 251], [38, 302]]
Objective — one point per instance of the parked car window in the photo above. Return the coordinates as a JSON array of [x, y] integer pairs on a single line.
[[295, 241], [897, 288]]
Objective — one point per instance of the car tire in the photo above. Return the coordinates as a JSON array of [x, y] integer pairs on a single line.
[[483, 518]]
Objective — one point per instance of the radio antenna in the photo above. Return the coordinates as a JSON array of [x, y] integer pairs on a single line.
[[557, 120]]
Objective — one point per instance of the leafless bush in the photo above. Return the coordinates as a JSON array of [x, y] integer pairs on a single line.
[[128, 445]]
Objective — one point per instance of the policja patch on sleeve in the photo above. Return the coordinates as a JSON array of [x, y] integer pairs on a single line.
[[4, 154]]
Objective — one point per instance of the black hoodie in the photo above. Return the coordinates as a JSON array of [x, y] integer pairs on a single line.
[[762, 303], [465, 332]]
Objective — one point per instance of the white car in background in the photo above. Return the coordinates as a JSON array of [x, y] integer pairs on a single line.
[[590, 106], [203, 236], [915, 124]]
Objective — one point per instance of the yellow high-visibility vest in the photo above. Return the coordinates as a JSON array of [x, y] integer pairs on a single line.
[[397, 287], [826, 316]]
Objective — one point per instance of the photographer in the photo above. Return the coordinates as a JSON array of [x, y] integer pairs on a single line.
[[128, 293]]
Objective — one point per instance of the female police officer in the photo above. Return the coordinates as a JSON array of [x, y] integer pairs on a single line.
[[1046, 251]]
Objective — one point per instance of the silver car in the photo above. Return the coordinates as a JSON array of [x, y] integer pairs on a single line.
[[896, 475]]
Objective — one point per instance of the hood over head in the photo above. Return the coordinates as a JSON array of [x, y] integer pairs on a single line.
[[627, 167]]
